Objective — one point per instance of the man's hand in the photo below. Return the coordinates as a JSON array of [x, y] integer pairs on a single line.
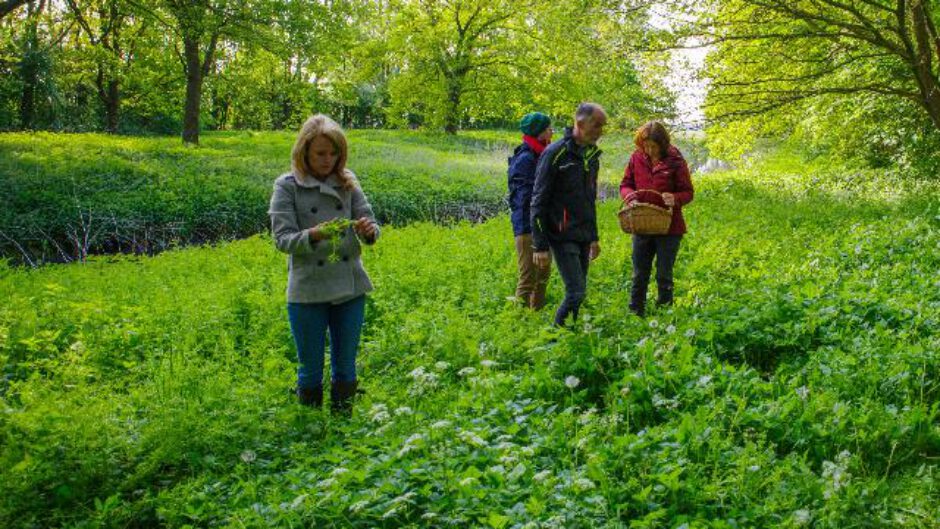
[[595, 250], [542, 259]]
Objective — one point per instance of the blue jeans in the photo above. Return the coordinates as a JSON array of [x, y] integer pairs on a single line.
[[308, 324]]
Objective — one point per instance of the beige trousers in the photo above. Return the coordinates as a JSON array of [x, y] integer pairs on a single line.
[[532, 279]]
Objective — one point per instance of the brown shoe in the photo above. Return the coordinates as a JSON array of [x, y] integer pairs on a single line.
[[341, 397], [312, 397]]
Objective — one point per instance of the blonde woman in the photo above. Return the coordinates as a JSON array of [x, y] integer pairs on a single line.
[[318, 216]]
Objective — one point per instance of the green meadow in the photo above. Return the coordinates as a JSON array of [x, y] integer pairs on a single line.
[[74, 195], [795, 383]]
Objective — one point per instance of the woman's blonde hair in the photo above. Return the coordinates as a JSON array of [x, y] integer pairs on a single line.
[[316, 125]]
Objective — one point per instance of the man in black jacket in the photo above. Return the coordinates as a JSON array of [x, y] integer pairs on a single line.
[[563, 209]]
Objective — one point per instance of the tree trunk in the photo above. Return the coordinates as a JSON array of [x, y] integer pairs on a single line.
[[29, 76], [112, 106], [109, 92], [927, 47], [452, 110], [193, 91], [29, 68]]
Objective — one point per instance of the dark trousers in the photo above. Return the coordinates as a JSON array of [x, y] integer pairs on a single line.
[[572, 260], [645, 247]]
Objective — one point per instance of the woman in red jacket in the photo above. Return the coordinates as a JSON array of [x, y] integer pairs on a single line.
[[656, 165]]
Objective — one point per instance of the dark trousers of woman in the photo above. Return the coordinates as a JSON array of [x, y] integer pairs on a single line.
[[646, 247], [572, 260]]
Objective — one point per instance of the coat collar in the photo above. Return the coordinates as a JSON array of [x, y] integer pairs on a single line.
[[330, 186]]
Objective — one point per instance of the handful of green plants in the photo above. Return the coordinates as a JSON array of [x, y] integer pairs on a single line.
[[333, 231]]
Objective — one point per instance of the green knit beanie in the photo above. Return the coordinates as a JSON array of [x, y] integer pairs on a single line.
[[534, 123]]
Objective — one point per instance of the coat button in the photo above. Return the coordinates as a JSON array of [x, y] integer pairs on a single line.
[[345, 258], [319, 263], [313, 210], [339, 207]]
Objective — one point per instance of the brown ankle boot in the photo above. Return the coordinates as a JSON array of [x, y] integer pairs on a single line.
[[341, 396], [312, 397]]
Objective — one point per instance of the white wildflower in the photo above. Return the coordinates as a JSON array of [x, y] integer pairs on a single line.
[[326, 483], [467, 371], [704, 380], [339, 471], [404, 410], [802, 517], [298, 501], [583, 484], [572, 381], [487, 363], [803, 392], [442, 365], [654, 324], [542, 476], [358, 506], [690, 333], [404, 498], [836, 473], [497, 469], [516, 472], [671, 329], [248, 456], [440, 425], [472, 438]]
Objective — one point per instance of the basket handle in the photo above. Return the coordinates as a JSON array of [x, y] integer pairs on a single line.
[[638, 191]]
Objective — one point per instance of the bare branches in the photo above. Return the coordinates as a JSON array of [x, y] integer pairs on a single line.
[[774, 53]]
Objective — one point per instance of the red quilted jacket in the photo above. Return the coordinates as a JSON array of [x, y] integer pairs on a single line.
[[671, 174]]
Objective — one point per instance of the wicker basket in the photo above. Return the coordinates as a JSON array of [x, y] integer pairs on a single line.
[[641, 218]]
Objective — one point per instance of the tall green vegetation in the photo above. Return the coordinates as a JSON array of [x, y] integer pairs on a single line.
[[794, 384], [171, 66], [859, 78]]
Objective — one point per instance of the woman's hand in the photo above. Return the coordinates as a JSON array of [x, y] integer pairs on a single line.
[[669, 199], [365, 228], [316, 234]]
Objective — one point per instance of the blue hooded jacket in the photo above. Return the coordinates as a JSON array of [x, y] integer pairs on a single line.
[[522, 166]]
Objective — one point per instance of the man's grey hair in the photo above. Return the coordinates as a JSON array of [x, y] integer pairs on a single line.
[[587, 111]]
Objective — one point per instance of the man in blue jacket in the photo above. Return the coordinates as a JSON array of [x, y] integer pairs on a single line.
[[564, 211], [536, 135]]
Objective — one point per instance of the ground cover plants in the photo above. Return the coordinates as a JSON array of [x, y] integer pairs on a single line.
[[794, 384], [67, 196]]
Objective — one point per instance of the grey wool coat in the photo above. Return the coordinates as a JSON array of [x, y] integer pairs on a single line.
[[319, 271]]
